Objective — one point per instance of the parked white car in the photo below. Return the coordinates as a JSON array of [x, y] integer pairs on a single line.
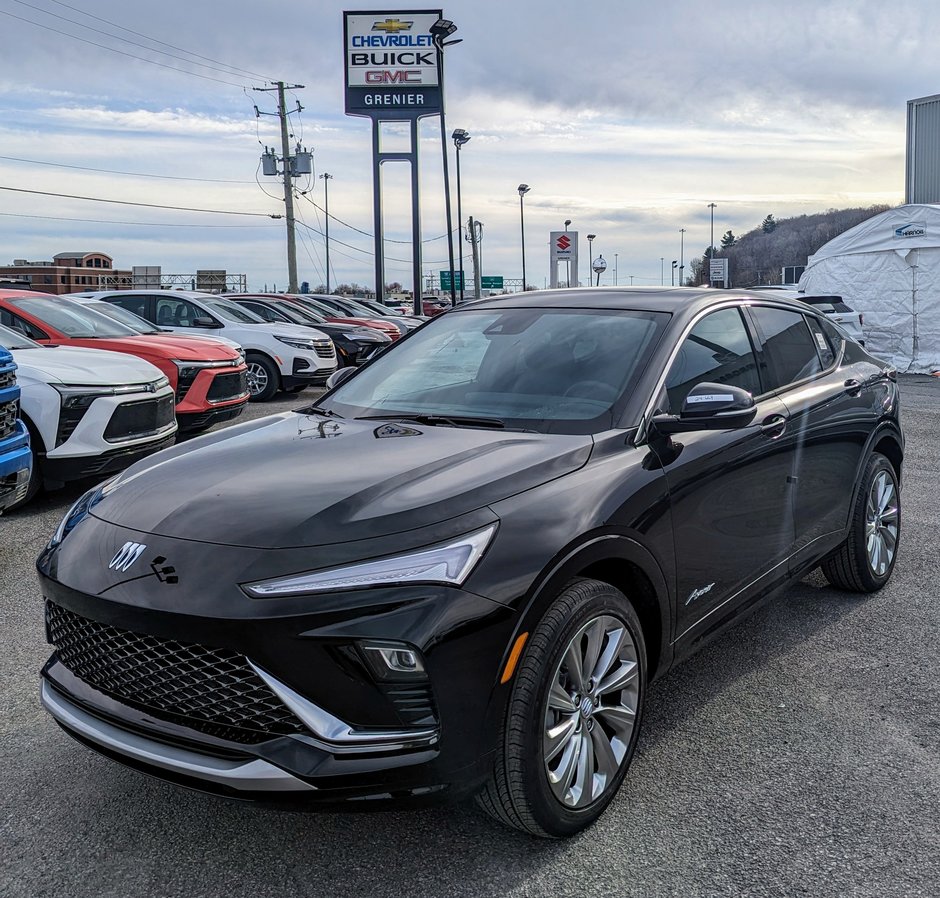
[[835, 309], [90, 412], [280, 356]]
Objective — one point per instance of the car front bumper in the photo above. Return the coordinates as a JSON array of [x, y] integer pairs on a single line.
[[321, 726]]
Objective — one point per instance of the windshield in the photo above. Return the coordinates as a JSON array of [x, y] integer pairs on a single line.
[[118, 313], [11, 339], [296, 313], [72, 318], [233, 312], [551, 370]]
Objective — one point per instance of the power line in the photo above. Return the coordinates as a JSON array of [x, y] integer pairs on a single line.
[[235, 69], [162, 65], [97, 199], [110, 171], [367, 252], [142, 224]]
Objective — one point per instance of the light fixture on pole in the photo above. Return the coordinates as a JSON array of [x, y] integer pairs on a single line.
[[460, 137], [441, 29], [672, 281], [681, 255], [591, 245], [326, 177], [523, 190]]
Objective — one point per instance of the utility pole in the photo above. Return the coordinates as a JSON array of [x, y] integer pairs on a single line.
[[288, 173], [473, 233]]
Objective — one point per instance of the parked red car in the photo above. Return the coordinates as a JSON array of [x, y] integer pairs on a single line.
[[331, 315], [208, 377]]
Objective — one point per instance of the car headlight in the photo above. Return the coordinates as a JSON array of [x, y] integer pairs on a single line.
[[79, 511], [82, 396], [449, 563], [297, 342]]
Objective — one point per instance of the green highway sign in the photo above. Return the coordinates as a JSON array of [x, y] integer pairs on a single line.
[[445, 280], [491, 282]]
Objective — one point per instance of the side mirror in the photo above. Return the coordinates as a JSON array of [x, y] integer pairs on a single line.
[[338, 376], [206, 322], [710, 407]]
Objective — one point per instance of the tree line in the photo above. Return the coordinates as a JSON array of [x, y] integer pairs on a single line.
[[758, 256]]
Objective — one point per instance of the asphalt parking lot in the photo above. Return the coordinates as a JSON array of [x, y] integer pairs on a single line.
[[799, 755]]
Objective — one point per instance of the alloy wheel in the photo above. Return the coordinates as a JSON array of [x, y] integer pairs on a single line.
[[881, 523], [591, 711], [257, 378]]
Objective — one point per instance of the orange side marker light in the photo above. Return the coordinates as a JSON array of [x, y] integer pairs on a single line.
[[513, 658]]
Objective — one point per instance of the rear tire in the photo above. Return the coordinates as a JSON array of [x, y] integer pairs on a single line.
[[263, 378], [864, 562], [573, 717]]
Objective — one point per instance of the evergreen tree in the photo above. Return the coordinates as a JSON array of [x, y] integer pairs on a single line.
[[768, 225], [728, 239]]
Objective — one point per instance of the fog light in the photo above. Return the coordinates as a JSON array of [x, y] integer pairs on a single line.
[[394, 661]]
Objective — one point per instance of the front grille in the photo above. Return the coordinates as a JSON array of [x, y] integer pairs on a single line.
[[7, 378], [185, 379], [414, 703], [8, 414], [213, 691], [138, 419], [228, 386], [324, 349]]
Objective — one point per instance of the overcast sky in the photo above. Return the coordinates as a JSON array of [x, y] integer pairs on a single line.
[[628, 118]]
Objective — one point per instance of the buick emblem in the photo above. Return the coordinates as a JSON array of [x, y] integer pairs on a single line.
[[126, 556]]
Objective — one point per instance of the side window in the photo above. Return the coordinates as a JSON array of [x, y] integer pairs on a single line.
[[22, 325], [172, 312], [135, 304], [263, 311], [789, 346], [827, 353], [718, 350]]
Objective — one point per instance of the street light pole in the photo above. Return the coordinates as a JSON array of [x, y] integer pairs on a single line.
[[711, 245], [662, 271], [590, 239], [523, 190], [681, 255], [440, 30], [567, 261], [460, 137], [672, 279], [326, 211], [616, 276]]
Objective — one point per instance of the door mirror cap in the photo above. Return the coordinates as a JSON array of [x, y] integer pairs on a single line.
[[206, 322], [338, 376], [710, 407]]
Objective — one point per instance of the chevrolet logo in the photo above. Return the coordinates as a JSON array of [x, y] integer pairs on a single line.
[[392, 26]]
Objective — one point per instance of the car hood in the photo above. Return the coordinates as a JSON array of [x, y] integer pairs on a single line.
[[295, 479], [88, 367], [188, 348]]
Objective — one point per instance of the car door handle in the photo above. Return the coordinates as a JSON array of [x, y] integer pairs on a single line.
[[773, 426], [852, 387]]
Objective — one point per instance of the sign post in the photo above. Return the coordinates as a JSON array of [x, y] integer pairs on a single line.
[[392, 67], [718, 272], [564, 248]]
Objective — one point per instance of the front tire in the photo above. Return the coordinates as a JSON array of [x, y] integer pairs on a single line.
[[574, 715], [864, 562], [263, 378]]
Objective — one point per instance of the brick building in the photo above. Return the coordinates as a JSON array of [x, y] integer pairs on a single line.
[[70, 273]]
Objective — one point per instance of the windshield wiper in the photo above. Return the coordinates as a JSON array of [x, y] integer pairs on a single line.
[[438, 420], [317, 410]]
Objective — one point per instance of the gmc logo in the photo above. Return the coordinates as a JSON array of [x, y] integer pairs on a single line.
[[402, 76]]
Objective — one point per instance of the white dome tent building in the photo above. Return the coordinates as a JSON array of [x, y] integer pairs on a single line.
[[888, 268]]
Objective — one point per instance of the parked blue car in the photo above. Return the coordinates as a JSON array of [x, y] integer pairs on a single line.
[[16, 459]]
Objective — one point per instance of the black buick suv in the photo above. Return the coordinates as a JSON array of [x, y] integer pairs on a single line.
[[459, 570]]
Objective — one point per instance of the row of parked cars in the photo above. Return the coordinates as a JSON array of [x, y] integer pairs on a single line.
[[106, 378]]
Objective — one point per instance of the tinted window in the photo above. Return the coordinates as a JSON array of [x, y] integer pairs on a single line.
[[173, 312], [22, 325], [72, 319], [135, 304], [827, 353], [233, 312], [788, 346], [718, 350]]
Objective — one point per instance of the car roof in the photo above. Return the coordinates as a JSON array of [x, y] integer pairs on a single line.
[[643, 299]]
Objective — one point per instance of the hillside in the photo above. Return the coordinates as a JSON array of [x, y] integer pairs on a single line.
[[758, 256]]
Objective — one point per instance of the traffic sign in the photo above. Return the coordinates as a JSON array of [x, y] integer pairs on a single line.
[[445, 280], [491, 282]]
